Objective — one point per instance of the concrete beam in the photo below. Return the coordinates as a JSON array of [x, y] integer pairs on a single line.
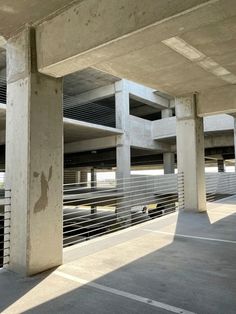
[[225, 140], [91, 96], [146, 95], [107, 29], [215, 141], [166, 128], [89, 145], [141, 135], [217, 100]]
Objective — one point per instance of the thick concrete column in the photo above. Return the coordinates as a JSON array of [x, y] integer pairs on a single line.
[[190, 152], [34, 155], [168, 158], [221, 165], [169, 163], [122, 122], [123, 154]]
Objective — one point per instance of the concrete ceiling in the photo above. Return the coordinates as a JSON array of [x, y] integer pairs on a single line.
[[73, 130], [86, 80], [79, 130], [159, 66], [14, 14], [130, 41]]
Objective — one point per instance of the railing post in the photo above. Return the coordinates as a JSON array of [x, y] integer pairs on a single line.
[[7, 226], [180, 186]]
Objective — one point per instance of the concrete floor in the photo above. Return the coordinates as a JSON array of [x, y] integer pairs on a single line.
[[181, 263]]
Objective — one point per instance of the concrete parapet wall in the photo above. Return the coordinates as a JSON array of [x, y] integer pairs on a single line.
[[166, 128]]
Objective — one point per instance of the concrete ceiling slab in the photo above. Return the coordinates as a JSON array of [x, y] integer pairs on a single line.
[[134, 46], [79, 130], [73, 130], [159, 67], [14, 14], [88, 79]]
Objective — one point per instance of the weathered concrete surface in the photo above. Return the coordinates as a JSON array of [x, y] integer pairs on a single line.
[[16, 14], [123, 153], [133, 33], [33, 160], [101, 20], [174, 260], [217, 100], [123, 148], [190, 152], [169, 162]]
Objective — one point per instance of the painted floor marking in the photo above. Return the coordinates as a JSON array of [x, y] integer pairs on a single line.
[[191, 237], [128, 295]]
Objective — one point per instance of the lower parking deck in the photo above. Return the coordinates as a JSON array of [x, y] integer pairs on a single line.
[[179, 263]]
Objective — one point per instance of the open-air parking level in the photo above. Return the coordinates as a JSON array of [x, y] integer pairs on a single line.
[[117, 156]]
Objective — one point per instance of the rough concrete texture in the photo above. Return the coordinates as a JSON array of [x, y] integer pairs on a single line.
[[33, 160], [15, 14], [178, 260], [190, 152], [136, 49]]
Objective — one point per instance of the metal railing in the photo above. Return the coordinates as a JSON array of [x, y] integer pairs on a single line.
[[91, 211], [220, 185], [92, 112], [5, 218]]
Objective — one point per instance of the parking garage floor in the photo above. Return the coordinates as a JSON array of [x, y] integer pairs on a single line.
[[180, 263]]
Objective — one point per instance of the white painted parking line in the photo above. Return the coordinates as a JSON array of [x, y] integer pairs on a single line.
[[191, 237], [121, 293]]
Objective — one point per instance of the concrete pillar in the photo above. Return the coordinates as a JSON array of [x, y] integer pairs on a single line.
[[34, 155], [83, 177], [166, 113], [190, 152], [122, 122], [168, 158], [93, 178], [169, 163], [123, 153], [93, 186], [221, 165]]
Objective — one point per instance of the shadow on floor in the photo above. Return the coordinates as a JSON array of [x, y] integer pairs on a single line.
[[193, 274]]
